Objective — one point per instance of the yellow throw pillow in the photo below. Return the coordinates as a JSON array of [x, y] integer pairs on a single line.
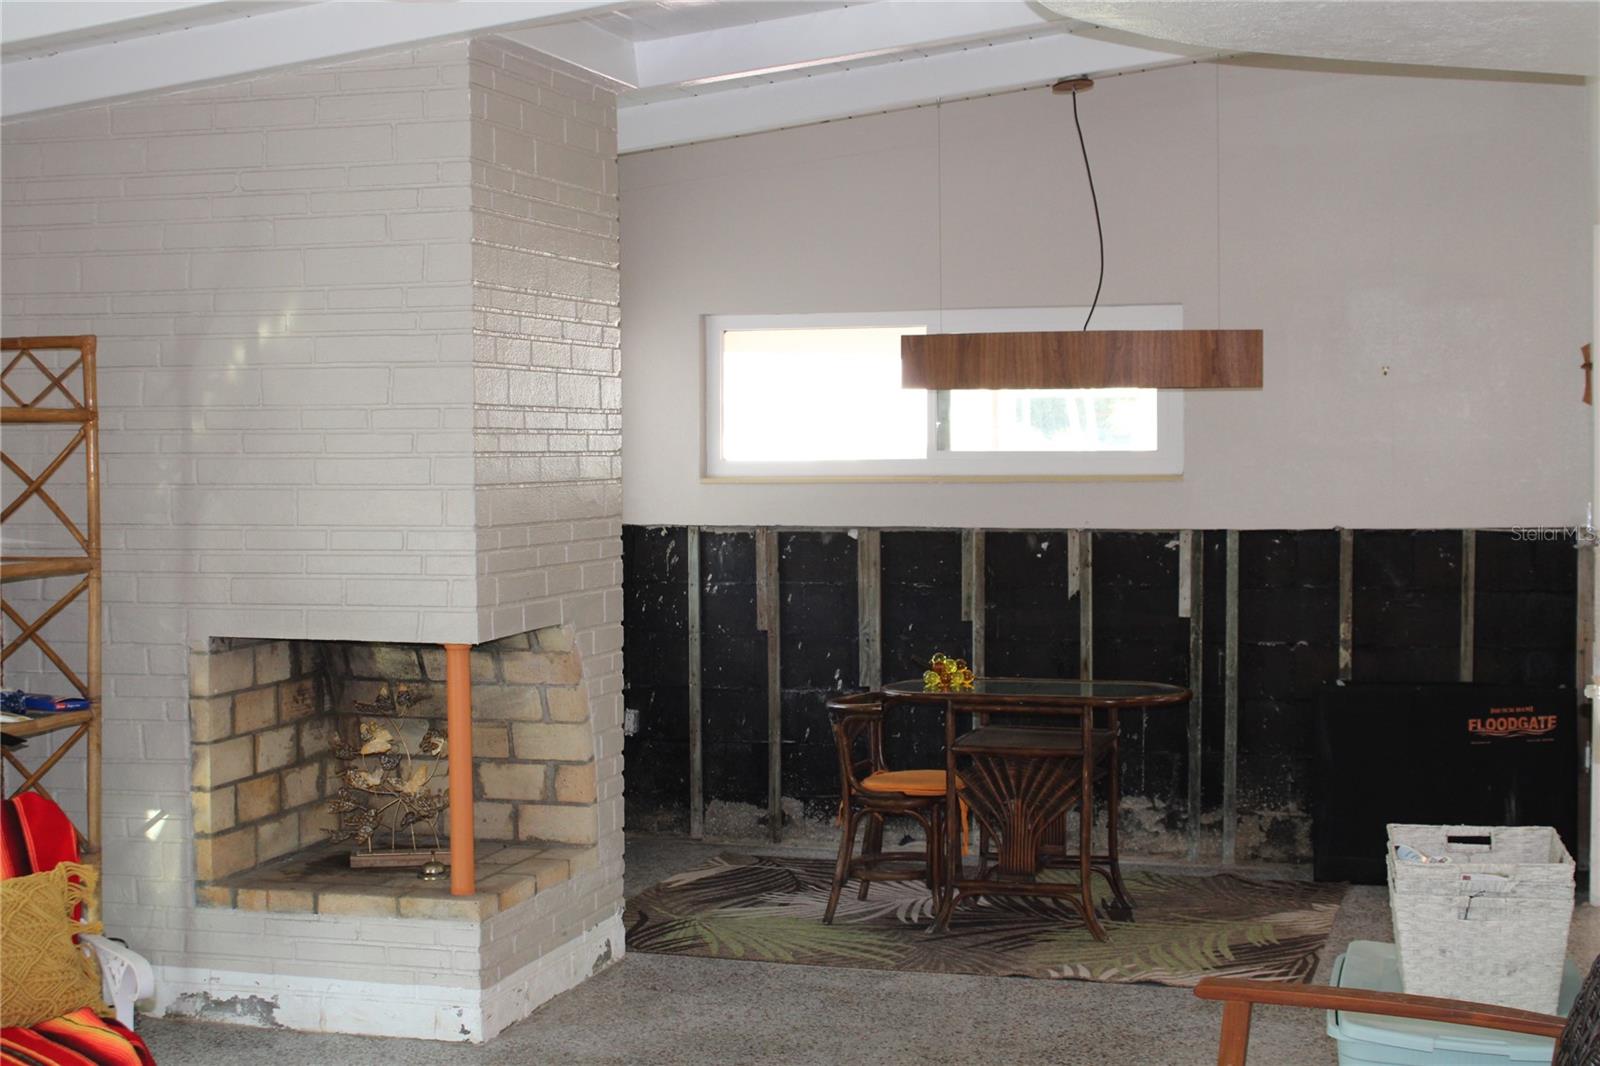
[[44, 973]]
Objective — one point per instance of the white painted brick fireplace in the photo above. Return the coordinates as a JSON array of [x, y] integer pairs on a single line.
[[360, 382]]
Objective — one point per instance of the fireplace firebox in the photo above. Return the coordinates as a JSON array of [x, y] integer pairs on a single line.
[[270, 791]]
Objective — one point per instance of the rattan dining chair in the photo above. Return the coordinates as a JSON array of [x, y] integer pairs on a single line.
[[1061, 843], [1021, 783], [1577, 1036], [870, 792]]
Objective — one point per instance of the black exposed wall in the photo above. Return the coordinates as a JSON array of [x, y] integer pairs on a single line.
[[817, 620], [1288, 648], [1406, 617], [733, 656], [655, 598], [1525, 608], [1407, 607], [921, 616], [1139, 636], [1032, 626]]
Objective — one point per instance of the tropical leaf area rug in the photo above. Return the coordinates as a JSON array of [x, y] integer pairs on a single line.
[[769, 909]]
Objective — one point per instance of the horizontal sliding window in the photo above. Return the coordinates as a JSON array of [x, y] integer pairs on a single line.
[[1048, 420], [813, 395], [819, 396]]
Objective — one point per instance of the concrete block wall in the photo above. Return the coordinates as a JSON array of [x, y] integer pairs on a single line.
[[293, 279]]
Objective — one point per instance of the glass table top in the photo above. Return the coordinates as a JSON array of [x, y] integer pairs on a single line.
[[1051, 690]]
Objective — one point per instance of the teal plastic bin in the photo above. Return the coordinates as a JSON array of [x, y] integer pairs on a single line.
[[1372, 1039]]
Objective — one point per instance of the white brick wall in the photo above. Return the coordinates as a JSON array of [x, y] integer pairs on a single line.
[[337, 334], [262, 431], [261, 350], [547, 386]]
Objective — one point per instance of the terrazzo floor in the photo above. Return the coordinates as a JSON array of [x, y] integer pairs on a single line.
[[665, 1010]]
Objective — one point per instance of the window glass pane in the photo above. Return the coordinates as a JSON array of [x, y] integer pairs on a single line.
[[1051, 420], [793, 395]]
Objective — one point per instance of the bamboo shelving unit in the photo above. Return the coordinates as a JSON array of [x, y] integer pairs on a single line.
[[56, 400]]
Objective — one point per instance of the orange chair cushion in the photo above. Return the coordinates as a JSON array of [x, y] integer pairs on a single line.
[[916, 783], [908, 782]]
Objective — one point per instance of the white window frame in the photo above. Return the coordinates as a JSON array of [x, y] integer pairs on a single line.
[[1165, 461]]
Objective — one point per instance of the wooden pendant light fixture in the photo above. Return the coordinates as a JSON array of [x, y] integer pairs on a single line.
[[1098, 359], [1083, 359]]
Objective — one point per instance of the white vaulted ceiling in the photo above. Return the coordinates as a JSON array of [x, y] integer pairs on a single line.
[[55, 55], [1529, 36], [686, 69], [689, 70], [841, 60]]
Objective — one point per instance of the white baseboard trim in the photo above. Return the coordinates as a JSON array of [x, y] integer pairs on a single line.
[[375, 1008], [318, 1004], [568, 966]]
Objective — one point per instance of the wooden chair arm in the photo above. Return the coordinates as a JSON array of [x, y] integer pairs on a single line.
[[1237, 997], [1394, 1004]]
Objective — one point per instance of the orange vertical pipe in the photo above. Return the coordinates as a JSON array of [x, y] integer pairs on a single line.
[[458, 723]]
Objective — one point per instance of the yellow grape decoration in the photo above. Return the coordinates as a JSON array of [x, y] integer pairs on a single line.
[[945, 674]]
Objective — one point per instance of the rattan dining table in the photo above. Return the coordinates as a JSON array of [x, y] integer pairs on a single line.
[[1037, 750]]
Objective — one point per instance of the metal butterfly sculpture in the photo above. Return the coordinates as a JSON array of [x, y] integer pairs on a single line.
[[385, 783]]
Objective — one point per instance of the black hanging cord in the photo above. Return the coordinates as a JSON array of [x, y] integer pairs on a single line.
[[1100, 233]]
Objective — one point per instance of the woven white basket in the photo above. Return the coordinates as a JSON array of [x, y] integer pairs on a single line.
[[1491, 924]]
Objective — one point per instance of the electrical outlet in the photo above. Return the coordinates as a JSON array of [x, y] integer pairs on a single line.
[[630, 721]]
